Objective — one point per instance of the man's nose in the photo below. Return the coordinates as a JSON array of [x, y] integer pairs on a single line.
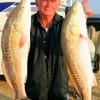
[[49, 1]]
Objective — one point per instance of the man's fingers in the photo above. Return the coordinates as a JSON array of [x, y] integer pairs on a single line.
[[89, 12]]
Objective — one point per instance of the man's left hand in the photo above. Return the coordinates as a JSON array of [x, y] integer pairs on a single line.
[[87, 11]]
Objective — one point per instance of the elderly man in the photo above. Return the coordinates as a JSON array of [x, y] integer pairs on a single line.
[[47, 78]]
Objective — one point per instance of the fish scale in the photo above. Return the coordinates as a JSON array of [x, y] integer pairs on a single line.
[[75, 48], [15, 54]]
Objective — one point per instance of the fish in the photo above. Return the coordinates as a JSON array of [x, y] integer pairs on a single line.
[[98, 44], [95, 37], [0, 56], [15, 45], [76, 53], [93, 34]]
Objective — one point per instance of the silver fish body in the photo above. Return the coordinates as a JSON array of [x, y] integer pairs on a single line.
[[98, 45], [15, 43], [75, 48]]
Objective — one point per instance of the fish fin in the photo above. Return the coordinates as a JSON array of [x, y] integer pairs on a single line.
[[94, 82], [84, 37], [74, 83], [22, 40], [91, 49], [5, 73]]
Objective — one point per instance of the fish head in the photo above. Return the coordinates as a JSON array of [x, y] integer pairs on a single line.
[[18, 24], [75, 20], [20, 15]]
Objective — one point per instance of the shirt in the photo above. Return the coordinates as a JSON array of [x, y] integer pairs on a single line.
[[46, 71]]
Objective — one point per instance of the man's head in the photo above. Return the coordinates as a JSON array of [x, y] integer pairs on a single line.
[[47, 7]]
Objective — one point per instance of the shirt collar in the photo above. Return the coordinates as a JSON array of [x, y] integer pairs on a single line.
[[56, 18]]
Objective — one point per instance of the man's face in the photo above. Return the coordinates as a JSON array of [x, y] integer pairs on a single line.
[[47, 7]]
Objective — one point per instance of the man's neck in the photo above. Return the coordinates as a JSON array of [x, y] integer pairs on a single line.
[[46, 20]]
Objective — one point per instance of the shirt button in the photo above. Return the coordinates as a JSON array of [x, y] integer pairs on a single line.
[[45, 57], [44, 41]]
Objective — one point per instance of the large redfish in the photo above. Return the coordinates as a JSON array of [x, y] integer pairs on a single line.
[[75, 48], [15, 44]]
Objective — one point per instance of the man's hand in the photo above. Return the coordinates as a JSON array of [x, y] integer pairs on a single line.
[[87, 11]]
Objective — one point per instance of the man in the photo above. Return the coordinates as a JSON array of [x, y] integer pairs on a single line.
[[47, 78]]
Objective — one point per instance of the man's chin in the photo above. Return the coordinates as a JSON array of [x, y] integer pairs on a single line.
[[49, 14]]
